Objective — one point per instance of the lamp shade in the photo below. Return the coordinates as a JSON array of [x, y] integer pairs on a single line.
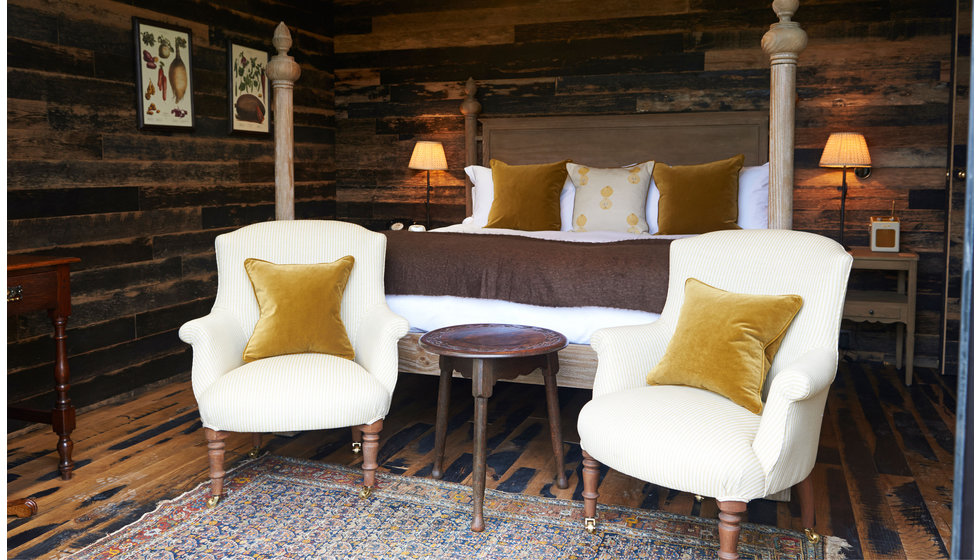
[[845, 149], [428, 156]]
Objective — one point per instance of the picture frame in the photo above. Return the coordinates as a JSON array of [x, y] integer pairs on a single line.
[[249, 90], [164, 74]]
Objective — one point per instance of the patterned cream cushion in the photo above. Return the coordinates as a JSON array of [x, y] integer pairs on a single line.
[[610, 199]]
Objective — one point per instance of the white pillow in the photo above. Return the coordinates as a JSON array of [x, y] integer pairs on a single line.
[[753, 199], [482, 179]]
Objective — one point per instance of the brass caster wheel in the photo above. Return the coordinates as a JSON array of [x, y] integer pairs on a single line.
[[213, 501], [356, 447], [366, 492], [812, 536], [590, 525], [253, 453]]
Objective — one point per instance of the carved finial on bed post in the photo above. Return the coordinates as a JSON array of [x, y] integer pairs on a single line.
[[283, 72], [470, 109], [784, 42]]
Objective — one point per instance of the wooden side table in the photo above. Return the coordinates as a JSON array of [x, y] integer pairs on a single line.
[[884, 306], [41, 283], [487, 353]]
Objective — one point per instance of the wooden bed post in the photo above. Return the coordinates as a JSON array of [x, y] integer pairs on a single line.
[[283, 72], [783, 43], [470, 109]]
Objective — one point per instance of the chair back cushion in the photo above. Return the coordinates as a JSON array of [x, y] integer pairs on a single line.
[[725, 342], [300, 242], [299, 308], [769, 262]]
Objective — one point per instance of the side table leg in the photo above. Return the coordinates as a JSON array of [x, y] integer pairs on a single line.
[[442, 418], [479, 460], [554, 419], [63, 414]]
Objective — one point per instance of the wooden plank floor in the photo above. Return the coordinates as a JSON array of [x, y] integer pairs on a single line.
[[883, 477]]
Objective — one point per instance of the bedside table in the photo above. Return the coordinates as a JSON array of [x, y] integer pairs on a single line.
[[887, 306]]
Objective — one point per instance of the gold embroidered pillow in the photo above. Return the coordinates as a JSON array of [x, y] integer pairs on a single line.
[[725, 342], [698, 198], [526, 197], [299, 308], [610, 199]]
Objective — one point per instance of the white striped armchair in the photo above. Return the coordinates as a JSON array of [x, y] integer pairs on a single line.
[[697, 441], [295, 392]]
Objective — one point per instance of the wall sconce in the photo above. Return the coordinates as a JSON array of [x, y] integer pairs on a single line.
[[843, 150], [428, 156]]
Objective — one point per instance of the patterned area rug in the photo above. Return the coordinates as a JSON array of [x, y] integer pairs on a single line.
[[279, 507]]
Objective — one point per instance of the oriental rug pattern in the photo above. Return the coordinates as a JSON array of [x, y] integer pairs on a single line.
[[278, 507]]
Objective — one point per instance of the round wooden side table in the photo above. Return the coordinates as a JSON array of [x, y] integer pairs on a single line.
[[486, 353]]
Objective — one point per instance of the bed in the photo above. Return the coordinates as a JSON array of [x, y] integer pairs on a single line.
[[603, 141]]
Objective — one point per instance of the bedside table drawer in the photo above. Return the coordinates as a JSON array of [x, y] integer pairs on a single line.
[[874, 311], [29, 292]]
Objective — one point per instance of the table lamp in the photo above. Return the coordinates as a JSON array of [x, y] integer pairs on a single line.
[[428, 156], [843, 150]]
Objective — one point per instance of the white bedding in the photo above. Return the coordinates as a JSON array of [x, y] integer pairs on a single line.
[[426, 313]]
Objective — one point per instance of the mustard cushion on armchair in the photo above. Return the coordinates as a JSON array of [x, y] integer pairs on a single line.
[[725, 342], [299, 308]]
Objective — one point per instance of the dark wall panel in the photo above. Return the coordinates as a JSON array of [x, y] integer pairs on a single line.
[[142, 208]]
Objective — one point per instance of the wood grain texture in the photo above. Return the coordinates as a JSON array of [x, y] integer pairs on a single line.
[[141, 208], [140, 450]]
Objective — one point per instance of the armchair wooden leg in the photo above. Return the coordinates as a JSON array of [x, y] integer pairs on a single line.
[[730, 515], [216, 459], [807, 509], [355, 436], [590, 489], [370, 449], [256, 445]]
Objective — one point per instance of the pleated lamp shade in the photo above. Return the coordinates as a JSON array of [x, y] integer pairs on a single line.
[[428, 155], [845, 149]]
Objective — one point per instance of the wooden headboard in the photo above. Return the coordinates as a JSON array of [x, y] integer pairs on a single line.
[[616, 140]]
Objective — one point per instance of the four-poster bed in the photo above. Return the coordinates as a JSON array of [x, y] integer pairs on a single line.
[[613, 140]]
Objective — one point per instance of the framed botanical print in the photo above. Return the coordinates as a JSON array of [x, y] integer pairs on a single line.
[[164, 89], [248, 89]]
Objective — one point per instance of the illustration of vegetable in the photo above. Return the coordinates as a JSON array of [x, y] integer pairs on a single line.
[[178, 72], [148, 39], [149, 90], [165, 47], [249, 108], [148, 59], [162, 82]]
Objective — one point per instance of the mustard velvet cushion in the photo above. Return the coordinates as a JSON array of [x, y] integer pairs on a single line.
[[299, 308], [610, 199], [725, 342], [698, 198], [526, 197]]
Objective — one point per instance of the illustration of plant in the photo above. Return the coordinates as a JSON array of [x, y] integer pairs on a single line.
[[249, 75]]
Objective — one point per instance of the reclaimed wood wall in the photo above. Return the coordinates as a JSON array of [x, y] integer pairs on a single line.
[[141, 208], [879, 67]]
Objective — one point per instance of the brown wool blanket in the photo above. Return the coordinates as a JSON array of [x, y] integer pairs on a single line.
[[622, 274]]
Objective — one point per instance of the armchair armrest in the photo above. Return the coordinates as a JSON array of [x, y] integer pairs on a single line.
[[218, 341], [789, 431], [626, 354], [376, 343]]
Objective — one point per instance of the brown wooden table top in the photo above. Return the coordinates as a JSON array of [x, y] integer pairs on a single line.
[[492, 340], [23, 262]]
